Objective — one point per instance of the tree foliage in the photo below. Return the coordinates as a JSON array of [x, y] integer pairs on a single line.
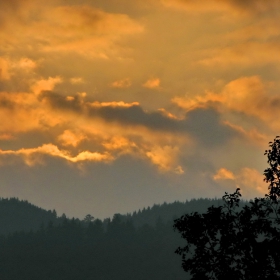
[[233, 242]]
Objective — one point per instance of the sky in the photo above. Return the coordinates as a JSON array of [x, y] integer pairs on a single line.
[[108, 106]]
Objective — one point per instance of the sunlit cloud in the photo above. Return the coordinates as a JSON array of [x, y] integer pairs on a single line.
[[113, 104], [34, 155], [74, 121], [26, 64], [242, 54], [152, 83], [68, 138], [246, 95], [224, 174], [249, 180], [46, 84], [165, 158], [124, 83], [4, 69], [80, 29], [253, 135], [77, 80]]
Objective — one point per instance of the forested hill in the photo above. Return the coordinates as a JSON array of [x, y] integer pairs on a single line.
[[20, 215], [70, 249], [168, 212]]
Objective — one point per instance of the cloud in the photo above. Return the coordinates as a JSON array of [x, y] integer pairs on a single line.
[[152, 83], [165, 158], [77, 80], [242, 54], [6, 136], [124, 83], [253, 135], [248, 6], [34, 155], [205, 125], [4, 69], [195, 6], [249, 180], [78, 124], [202, 124], [223, 174], [119, 143], [113, 112], [80, 29], [9, 67], [46, 84], [68, 138], [247, 95]]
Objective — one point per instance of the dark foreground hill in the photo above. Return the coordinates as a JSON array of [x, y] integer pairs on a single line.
[[139, 246]]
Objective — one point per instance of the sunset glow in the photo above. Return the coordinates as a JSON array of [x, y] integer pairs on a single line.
[[118, 105]]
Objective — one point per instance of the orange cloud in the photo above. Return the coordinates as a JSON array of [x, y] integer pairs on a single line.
[[85, 30], [4, 69], [80, 29], [248, 95], [125, 83], [25, 112], [26, 64], [165, 158], [248, 7], [249, 180], [195, 6], [6, 136], [252, 179], [241, 54], [9, 67], [68, 138], [77, 80], [33, 155], [252, 134], [113, 104], [121, 144], [224, 174], [152, 83], [46, 84]]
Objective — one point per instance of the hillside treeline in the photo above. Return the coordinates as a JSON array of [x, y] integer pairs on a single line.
[[73, 250], [136, 246]]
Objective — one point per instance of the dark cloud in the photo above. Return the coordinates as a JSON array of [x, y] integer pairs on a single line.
[[255, 5], [6, 103], [58, 101], [11, 10], [28, 139], [134, 8], [135, 115], [203, 124]]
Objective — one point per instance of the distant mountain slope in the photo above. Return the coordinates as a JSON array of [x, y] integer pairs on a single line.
[[19, 215], [136, 246], [167, 212]]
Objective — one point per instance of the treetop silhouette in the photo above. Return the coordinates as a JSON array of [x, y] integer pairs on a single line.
[[233, 242]]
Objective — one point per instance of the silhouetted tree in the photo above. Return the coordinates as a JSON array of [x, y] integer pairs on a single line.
[[88, 218], [230, 242]]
